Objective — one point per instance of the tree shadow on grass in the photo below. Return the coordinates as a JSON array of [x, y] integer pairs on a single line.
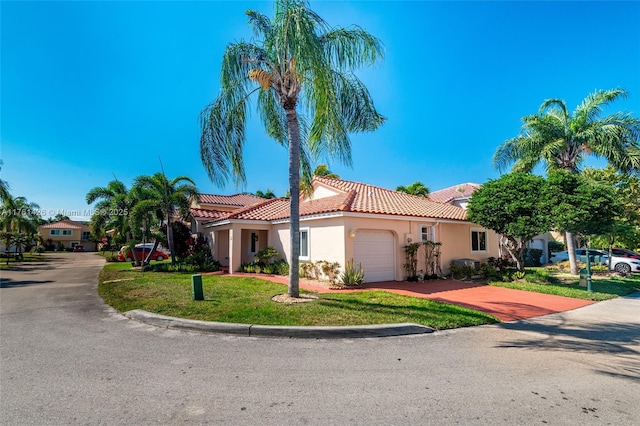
[[421, 314]]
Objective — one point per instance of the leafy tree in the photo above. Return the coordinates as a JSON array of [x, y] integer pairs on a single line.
[[298, 61], [513, 206], [580, 205], [561, 140], [159, 197], [416, 188], [626, 231]]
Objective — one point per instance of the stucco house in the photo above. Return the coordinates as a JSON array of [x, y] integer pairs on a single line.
[[343, 220], [459, 195], [67, 234]]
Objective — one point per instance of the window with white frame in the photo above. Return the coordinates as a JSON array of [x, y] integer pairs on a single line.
[[304, 243], [478, 240], [427, 233], [67, 232], [86, 235], [54, 232]]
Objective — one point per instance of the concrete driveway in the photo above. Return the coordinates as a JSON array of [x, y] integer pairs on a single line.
[[66, 358]]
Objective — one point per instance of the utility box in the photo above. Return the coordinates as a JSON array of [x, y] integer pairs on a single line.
[[196, 287], [583, 277]]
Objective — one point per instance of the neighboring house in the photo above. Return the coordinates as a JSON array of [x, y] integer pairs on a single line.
[[343, 221], [66, 234], [459, 195]]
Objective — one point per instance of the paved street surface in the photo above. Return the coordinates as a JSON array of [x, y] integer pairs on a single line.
[[66, 358]]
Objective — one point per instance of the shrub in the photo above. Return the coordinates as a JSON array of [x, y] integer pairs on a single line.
[[532, 257], [331, 270], [111, 258], [266, 255], [462, 272], [352, 275], [555, 246]]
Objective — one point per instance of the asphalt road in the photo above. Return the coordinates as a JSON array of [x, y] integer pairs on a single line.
[[66, 358]]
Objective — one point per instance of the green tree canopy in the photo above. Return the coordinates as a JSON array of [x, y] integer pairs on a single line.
[[580, 205], [308, 98], [513, 206], [561, 140], [626, 233]]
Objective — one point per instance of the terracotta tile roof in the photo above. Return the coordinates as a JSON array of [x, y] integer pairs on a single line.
[[207, 214], [351, 197], [376, 200], [237, 200], [447, 195], [267, 210], [63, 224]]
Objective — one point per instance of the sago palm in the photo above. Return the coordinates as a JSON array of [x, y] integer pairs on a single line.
[[307, 98], [561, 140]]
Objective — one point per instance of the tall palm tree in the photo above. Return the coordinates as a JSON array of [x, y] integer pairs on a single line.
[[416, 188], [160, 197], [561, 140], [112, 210], [299, 61]]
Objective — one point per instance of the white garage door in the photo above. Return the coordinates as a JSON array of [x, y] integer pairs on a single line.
[[375, 251]]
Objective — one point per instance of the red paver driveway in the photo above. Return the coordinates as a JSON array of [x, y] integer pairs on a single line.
[[503, 303]]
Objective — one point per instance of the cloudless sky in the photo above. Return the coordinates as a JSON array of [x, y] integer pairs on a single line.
[[91, 90]]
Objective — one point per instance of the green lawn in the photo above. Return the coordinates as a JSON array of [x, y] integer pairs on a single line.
[[248, 300], [549, 281]]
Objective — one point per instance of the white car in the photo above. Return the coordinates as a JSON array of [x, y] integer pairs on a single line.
[[624, 265], [597, 256]]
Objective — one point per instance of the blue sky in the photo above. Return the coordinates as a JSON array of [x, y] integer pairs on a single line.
[[96, 89]]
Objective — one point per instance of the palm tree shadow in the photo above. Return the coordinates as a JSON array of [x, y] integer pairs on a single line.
[[620, 339], [10, 283]]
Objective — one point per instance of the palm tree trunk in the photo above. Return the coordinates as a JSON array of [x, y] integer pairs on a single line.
[[170, 239], [293, 128], [571, 250]]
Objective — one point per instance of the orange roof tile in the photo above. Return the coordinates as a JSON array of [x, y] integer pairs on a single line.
[[237, 200], [351, 197], [63, 224], [207, 213]]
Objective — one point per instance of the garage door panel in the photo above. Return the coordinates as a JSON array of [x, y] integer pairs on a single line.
[[375, 251]]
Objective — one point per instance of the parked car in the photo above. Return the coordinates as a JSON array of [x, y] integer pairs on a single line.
[[620, 252], [78, 248], [625, 265], [126, 255], [597, 256]]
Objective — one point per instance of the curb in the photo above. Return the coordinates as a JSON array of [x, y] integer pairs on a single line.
[[298, 332]]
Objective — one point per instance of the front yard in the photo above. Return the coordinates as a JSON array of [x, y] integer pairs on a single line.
[[248, 300]]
